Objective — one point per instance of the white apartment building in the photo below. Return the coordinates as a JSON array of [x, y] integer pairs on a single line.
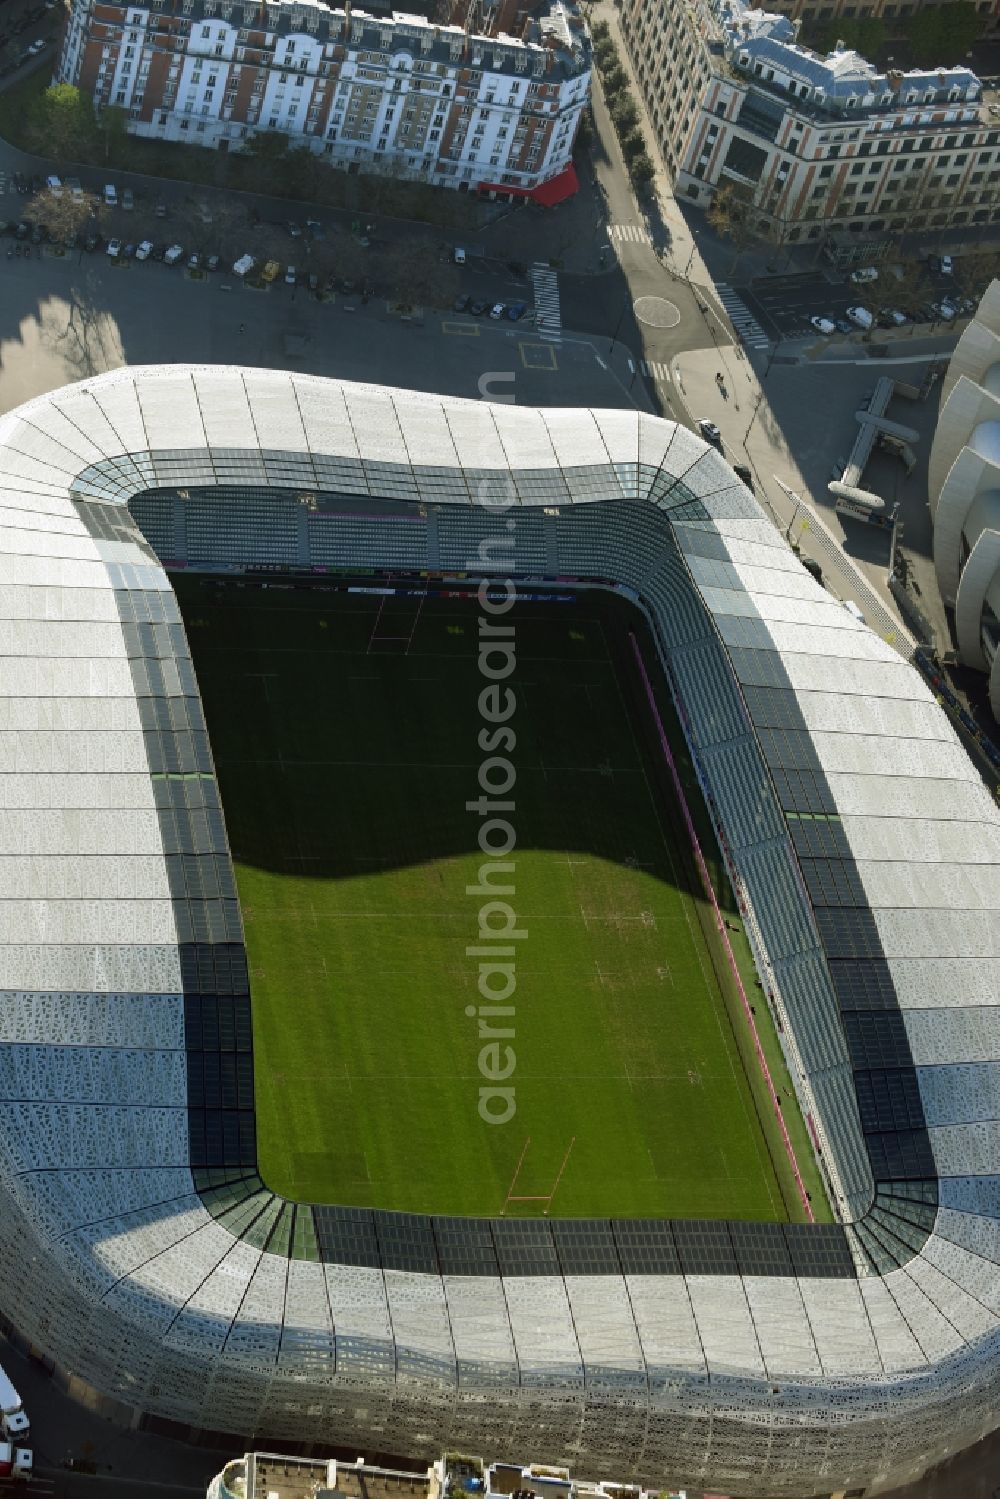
[[815, 144], [387, 93]]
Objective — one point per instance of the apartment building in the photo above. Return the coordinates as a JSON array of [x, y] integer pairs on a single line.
[[813, 144], [390, 93], [890, 11]]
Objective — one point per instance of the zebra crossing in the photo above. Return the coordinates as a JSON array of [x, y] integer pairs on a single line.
[[655, 369], [633, 233], [742, 319], [548, 317]]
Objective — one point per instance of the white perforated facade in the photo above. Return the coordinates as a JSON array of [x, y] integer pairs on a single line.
[[137, 1246]]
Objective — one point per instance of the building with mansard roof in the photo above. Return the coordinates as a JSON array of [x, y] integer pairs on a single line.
[[366, 91]]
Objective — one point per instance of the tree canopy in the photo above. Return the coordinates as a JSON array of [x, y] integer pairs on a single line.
[[941, 35], [865, 35], [61, 122]]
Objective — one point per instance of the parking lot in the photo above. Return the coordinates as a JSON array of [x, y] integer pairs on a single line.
[[210, 235], [783, 305], [67, 317]]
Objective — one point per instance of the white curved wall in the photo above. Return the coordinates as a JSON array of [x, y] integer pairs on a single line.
[[964, 475], [761, 1383]]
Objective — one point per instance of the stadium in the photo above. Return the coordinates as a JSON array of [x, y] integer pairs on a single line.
[[660, 1336]]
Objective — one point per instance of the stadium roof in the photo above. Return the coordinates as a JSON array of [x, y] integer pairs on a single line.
[[138, 1248]]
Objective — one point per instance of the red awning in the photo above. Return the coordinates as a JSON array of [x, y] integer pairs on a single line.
[[548, 194], [557, 189]]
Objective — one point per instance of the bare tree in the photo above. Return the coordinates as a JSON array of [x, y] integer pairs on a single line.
[[213, 224], [415, 275], [63, 213], [338, 255], [903, 286], [978, 269], [729, 217]]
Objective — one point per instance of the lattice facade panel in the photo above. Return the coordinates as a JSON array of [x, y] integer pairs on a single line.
[[704, 1352]]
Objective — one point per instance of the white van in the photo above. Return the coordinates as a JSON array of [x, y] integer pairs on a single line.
[[860, 317]]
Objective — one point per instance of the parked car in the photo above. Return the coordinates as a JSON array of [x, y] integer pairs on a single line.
[[294, 229], [158, 252], [92, 243], [290, 277], [161, 210], [461, 304], [459, 255], [865, 273], [194, 262], [478, 307], [823, 325], [313, 282], [271, 271], [860, 317], [315, 228], [947, 265], [516, 311], [54, 186], [212, 263], [114, 249], [75, 190], [110, 195], [243, 266], [944, 311], [128, 202], [709, 431], [38, 232], [33, 48], [173, 255], [144, 249], [128, 253], [497, 310], [23, 230]]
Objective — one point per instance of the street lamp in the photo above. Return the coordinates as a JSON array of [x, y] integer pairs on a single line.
[[621, 318], [787, 489]]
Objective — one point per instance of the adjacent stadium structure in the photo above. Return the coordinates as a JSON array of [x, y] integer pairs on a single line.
[[139, 1250], [964, 488]]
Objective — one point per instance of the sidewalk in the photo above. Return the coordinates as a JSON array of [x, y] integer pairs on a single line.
[[672, 239], [753, 436]]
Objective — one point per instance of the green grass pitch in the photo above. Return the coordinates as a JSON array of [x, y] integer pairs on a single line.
[[344, 774]]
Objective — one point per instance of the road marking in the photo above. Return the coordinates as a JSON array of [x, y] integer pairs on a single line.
[[531, 356], [655, 369], [548, 315], [461, 330], [742, 318], [632, 233]]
